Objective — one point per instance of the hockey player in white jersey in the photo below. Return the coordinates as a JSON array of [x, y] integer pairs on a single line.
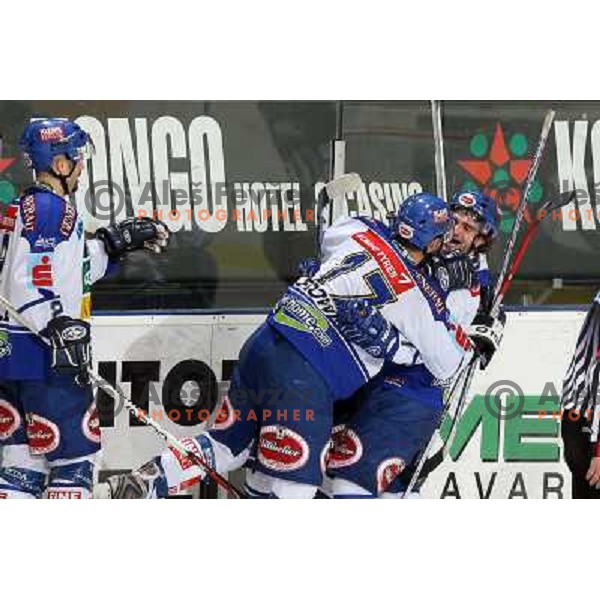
[[49, 433], [311, 352], [392, 418]]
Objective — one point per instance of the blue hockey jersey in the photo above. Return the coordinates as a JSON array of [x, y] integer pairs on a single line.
[[47, 268], [360, 260]]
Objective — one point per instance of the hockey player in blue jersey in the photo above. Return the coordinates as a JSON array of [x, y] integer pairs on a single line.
[[49, 433], [393, 417], [312, 352]]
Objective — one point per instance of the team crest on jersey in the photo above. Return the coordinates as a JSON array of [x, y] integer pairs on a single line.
[[91, 424], [346, 448], [282, 449], [10, 419], [43, 435], [387, 471], [225, 415]]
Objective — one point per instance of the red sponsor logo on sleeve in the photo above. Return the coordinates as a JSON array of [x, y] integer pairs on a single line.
[[392, 267], [282, 449]]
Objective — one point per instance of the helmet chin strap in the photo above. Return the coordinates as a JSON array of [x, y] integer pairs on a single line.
[[63, 178]]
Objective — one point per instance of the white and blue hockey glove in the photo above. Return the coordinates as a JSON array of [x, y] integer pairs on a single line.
[[486, 333], [363, 325]]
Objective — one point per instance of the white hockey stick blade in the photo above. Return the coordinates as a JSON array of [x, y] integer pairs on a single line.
[[345, 184]]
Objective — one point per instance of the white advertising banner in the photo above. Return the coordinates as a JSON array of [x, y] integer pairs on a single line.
[[172, 366]]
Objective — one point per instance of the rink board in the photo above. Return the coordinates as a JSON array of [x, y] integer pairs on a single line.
[[164, 362]]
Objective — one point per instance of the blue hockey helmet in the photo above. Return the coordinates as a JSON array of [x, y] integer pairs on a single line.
[[42, 140], [421, 218], [483, 207]]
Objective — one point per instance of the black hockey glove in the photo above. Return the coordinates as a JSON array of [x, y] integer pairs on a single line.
[[71, 347], [134, 234], [454, 271], [366, 327], [308, 267], [486, 334]]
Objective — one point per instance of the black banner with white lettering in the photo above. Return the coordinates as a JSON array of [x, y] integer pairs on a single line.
[[236, 182]]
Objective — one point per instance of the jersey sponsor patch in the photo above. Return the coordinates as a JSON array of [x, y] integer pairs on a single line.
[[43, 434], [10, 419], [389, 262], [28, 213], [436, 301], [387, 471], [91, 424], [346, 448], [225, 415], [68, 221], [281, 449], [40, 271], [301, 316]]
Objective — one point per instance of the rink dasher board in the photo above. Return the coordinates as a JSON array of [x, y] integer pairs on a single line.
[[534, 354]]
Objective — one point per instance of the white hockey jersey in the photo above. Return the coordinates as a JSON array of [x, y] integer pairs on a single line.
[[361, 260], [46, 269]]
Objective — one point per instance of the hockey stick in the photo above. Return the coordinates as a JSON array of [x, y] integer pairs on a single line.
[[507, 273], [531, 175], [438, 142], [137, 412], [548, 207], [333, 191]]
